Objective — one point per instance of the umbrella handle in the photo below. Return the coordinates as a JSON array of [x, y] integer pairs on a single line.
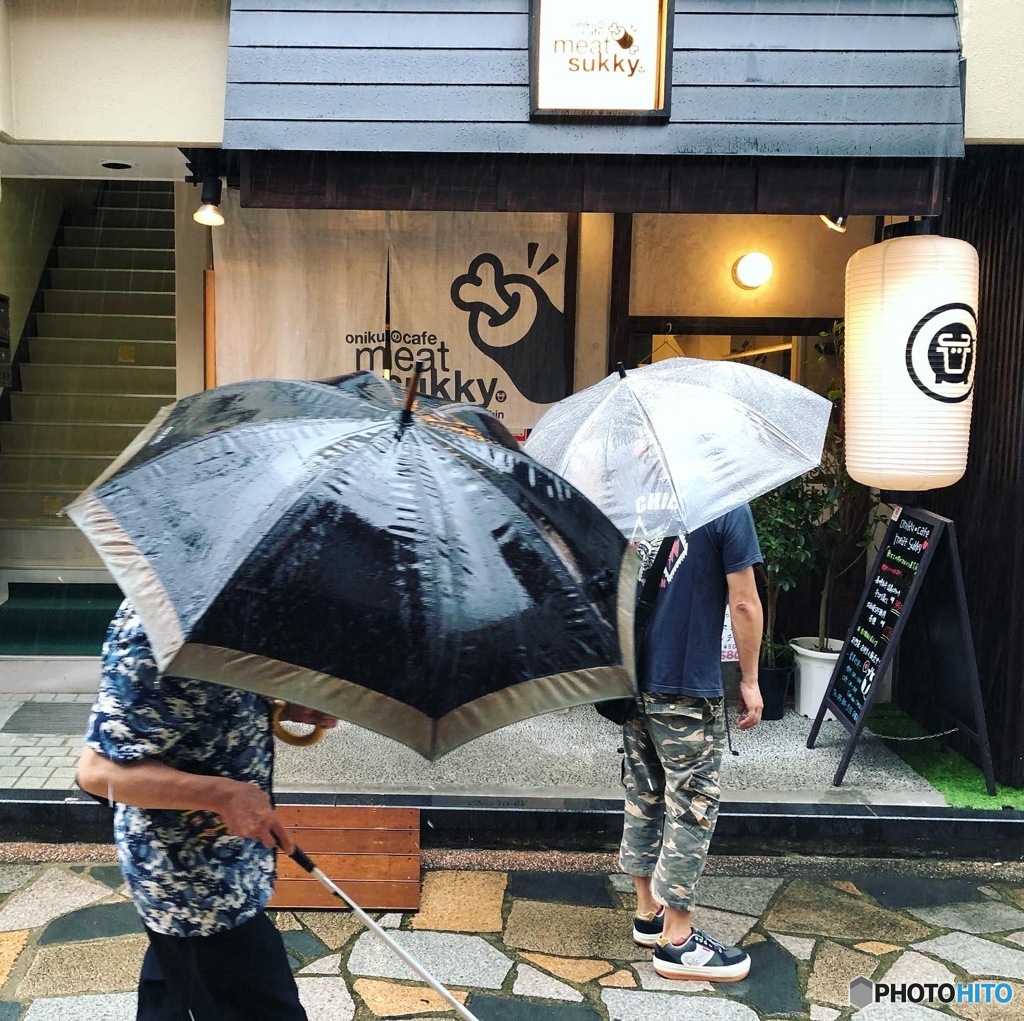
[[315, 736]]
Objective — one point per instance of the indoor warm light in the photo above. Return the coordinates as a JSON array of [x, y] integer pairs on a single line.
[[836, 223], [753, 270], [209, 214], [911, 331]]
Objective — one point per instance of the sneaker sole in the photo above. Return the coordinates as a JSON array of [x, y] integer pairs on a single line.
[[641, 939], [682, 972]]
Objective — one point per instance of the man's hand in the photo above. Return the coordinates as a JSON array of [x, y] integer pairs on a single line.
[[751, 704], [246, 811], [292, 713]]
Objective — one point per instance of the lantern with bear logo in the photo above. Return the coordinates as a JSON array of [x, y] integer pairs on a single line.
[[911, 334]]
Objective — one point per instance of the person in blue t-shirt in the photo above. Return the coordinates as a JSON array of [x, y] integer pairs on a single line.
[[674, 740], [189, 766]]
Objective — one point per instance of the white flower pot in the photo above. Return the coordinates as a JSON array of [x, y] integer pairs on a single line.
[[813, 672]]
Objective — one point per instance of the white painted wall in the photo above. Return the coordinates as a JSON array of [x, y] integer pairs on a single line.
[[143, 71], [993, 34], [6, 98]]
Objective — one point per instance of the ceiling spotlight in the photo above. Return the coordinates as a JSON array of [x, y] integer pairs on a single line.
[[753, 270], [836, 223], [208, 213]]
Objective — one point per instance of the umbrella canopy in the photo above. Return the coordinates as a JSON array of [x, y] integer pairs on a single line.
[[666, 448], [400, 571]]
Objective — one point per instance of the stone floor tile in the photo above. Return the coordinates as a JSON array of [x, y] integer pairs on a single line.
[[105, 966], [333, 928], [565, 931], [808, 907], [390, 999], [622, 883], [900, 891], [725, 926], [1014, 894], [819, 1013], [1016, 937], [989, 891], [745, 896], [876, 948], [898, 1012], [846, 886], [971, 916], [801, 947], [629, 1005], [452, 958], [11, 946], [489, 1007], [285, 921], [621, 979], [55, 892], [573, 969], [461, 902], [302, 943], [650, 979], [914, 967], [326, 999], [1012, 1011], [581, 888], [13, 877], [392, 920], [531, 982], [97, 921], [116, 1007], [9, 1010], [979, 957], [772, 986], [834, 967], [330, 965]]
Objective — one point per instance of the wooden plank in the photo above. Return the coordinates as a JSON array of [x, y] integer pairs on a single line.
[[351, 816], [611, 185], [390, 29], [357, 841], [392, 6], [309, 893], [344, 868]]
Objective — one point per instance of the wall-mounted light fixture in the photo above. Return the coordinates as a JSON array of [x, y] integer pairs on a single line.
[[752, 270], [836, 223], [208, 213]]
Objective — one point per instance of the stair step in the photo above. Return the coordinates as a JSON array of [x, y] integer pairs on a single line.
[[97, 257], [53, 408], [108, 216], [95, 438], [126, 197], [75, 351], [118, 237], [147, 303], [41, 506], [46, 471], [104, 327], [96, 379], [145, 280]]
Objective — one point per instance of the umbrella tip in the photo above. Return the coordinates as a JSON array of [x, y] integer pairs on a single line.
[[622, 369]]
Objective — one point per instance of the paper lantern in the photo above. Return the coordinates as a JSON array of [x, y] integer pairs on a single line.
[[911, 330]]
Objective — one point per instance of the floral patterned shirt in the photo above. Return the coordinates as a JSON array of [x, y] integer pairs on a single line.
[[185, 875]]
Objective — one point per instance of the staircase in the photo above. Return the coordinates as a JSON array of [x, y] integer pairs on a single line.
[[100, 362]]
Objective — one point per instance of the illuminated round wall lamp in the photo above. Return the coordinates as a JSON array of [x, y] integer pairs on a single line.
[[752, 270], [208, 213]]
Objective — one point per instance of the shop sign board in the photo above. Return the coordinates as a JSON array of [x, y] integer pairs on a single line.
[[605, 58]]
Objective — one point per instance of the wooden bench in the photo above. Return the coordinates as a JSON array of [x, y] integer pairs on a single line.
[[371, 852]]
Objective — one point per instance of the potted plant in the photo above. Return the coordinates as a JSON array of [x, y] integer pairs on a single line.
[[785, 519], [841, 535]]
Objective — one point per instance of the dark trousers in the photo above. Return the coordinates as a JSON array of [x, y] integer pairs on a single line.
[[241, 974]]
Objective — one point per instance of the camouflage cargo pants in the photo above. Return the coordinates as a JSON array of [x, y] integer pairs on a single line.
[[673, 754]]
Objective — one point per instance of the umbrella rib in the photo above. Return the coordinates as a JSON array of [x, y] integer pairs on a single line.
[[659, 450]]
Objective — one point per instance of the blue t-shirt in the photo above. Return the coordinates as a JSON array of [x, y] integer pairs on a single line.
[[682, 649], [186, 876]]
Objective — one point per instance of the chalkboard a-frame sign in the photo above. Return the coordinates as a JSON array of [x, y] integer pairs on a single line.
[[918, 565]]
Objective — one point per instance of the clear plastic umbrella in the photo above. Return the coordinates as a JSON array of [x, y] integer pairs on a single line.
[[668, 447]]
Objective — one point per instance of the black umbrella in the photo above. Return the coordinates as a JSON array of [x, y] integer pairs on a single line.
[[395, 568]]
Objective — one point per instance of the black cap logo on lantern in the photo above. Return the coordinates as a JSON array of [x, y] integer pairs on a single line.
[[940, 353]]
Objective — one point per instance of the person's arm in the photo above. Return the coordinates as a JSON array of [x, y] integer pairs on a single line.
[[244, 809], [747, 626]]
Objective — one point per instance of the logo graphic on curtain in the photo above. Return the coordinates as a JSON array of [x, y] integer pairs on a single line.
[[512, 321]]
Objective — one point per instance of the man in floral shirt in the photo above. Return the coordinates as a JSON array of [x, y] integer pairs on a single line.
[[189, 765]]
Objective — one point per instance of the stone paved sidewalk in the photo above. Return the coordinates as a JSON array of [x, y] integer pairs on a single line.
[[545, 937]]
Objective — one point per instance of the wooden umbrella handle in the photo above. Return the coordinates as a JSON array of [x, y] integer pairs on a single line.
[[315, 736]]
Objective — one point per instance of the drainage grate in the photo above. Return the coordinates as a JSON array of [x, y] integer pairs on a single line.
[[48, 718]]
